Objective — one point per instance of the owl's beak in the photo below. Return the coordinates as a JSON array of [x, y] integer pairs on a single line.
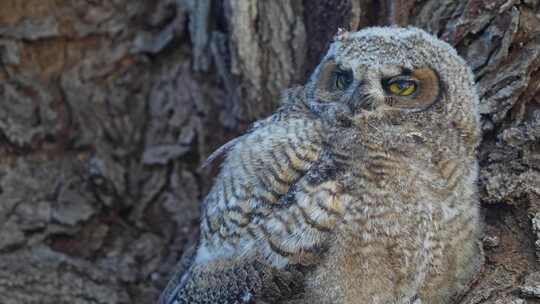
[[360, 99]]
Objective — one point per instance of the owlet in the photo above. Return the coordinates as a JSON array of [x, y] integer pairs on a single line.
[[360, 189]]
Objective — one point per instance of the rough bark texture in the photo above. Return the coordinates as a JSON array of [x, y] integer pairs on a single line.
[[107, 108]]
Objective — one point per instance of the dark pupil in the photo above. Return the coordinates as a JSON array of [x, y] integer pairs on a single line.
[[343, 79], [402, 85]]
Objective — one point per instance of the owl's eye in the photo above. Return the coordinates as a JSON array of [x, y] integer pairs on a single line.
[[401, 87], [414, 90], [343, 79]]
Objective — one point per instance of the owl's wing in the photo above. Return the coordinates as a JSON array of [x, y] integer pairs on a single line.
[[175, 282], [273, 204], [235, 282], [275, 196]]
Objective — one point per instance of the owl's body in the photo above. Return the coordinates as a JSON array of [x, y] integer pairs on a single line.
[[361, 189]]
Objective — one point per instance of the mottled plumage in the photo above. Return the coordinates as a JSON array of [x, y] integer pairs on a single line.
[[360, 189]]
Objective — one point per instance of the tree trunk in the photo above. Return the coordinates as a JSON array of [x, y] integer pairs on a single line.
[[107, 109]]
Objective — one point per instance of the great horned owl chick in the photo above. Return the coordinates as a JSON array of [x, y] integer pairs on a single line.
[[360, 189]]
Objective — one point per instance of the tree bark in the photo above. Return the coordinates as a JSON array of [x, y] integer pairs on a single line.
[[108, 108]]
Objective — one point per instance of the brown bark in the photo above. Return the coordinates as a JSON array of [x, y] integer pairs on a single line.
[[107, 108]]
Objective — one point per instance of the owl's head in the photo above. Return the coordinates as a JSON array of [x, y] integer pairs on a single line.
[[398, 76]]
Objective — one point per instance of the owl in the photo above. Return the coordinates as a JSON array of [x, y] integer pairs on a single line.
[[361, 188]]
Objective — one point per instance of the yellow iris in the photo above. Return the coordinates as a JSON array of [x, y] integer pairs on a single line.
[[402, 88]]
